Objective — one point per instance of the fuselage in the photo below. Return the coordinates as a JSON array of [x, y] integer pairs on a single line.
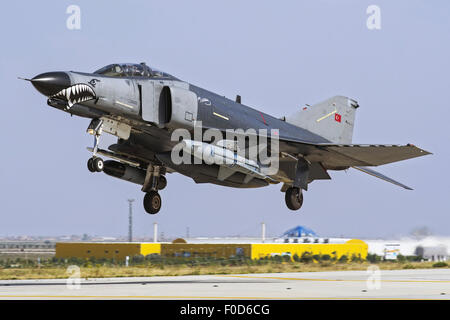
[[132, 100], [120, 97]]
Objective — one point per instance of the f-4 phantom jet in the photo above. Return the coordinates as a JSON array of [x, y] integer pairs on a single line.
[[160, 119]]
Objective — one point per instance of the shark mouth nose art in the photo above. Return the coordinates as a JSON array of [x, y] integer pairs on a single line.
[[75, 94]]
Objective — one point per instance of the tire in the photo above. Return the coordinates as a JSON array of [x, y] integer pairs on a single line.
[[152, 202], [98, 164], [162, 182], [90, 165], [294, 198]]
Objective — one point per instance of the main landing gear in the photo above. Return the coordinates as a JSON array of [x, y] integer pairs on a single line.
[[294, 198], [154, 181], [152, 202], [294, 195]]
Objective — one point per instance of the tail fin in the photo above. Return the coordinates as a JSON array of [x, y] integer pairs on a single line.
[[332, 119]]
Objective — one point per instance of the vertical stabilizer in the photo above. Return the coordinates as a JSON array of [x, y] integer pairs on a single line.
[[332, 119]]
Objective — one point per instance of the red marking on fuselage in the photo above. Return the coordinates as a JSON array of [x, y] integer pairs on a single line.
[[264, 120]]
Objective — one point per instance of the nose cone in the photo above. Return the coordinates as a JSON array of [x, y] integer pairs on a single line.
[[50, 83]]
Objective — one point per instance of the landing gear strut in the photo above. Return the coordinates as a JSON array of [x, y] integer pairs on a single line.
[[95, 164], [294, 198], [154, 181], [294, 195]]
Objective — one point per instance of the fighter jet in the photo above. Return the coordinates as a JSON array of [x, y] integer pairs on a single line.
[[146, 109]]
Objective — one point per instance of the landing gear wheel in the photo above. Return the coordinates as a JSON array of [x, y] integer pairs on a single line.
[[152, 202], [90, 165], [294, 198], [162, 182], [98, 164]]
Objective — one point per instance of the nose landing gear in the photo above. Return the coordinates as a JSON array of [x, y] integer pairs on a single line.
[[95, 164], [154, 177]]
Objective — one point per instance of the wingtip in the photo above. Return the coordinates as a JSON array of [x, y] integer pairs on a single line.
[[425, 152]]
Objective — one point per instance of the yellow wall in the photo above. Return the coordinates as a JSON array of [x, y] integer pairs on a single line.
[[104, 250], [217, 250], [357, 247], [150, 248]]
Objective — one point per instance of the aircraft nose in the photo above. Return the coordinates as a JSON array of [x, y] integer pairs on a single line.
[[50, 83]]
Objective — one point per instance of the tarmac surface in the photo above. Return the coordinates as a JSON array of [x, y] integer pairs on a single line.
[[372, 284]]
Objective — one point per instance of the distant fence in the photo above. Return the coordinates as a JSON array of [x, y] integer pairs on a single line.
[[26, 245]]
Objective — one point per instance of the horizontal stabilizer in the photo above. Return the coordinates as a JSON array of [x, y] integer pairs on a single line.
[[381, 176], [351, 155], [375, 155]]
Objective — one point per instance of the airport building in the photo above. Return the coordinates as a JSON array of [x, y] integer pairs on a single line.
[[296, 241], [429, 248], [119, 251], [107, 250]]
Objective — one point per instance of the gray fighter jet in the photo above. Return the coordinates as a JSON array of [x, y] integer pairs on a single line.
[[145, 107]]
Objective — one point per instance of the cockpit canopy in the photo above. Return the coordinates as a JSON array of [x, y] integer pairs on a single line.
[[131, 70]]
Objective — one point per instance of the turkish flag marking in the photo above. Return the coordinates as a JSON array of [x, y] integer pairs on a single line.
[[337, 117]]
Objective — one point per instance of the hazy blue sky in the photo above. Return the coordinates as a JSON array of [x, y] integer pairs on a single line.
[[278, 56]]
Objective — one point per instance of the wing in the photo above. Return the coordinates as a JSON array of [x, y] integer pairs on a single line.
[[337, 156], [354, 155]]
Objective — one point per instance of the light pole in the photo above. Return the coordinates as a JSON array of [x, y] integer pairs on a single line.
[[130, 220], [263, 232], [155, 232]]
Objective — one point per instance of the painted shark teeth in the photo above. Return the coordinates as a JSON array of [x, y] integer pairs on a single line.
[[76, 94]]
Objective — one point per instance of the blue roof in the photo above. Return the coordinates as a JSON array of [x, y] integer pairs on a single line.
[[299, 231]]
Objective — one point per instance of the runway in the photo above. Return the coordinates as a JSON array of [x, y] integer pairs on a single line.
[[399, 284]]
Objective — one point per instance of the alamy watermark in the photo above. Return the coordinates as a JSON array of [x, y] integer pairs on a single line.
[[255, 150], [74, 280], [373, 282], [73, 21], [374, 19]]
